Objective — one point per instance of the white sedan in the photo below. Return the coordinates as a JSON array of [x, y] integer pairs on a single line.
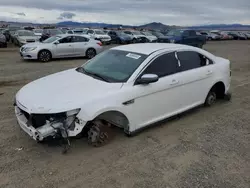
[[130, 86], [61, 46]]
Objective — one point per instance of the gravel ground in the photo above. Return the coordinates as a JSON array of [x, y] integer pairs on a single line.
[[207, 147]]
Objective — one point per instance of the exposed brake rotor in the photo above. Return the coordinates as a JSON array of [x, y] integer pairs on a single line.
[[99, 133]]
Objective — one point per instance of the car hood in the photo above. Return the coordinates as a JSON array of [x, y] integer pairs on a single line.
[[28, 37], [163, 37], [151, 37], [36, 44], [171, 37], [61, 92], [102, 36]]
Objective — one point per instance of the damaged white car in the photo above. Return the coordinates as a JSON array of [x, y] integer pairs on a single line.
[[129, 86]]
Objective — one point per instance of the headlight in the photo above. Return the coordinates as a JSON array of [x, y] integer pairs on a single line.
[[172, 41], [30, 49]]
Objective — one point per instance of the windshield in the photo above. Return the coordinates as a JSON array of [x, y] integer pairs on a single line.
[[25, 33], [121, 33], [78, 31], [175, 33], [99, 32], [51, 39], [55, 32], [158, 34], [147, 33], [38, 30], [136, 32], [115, 65]]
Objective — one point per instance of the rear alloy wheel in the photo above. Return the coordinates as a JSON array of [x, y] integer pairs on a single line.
[[44, 56], [99, 134], [211, 98], [90, 53]]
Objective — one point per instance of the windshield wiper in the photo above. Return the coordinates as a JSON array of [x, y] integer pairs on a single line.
[[82, 70]]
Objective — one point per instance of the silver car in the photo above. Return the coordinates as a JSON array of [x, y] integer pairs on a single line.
[[24, 36], [61, 46]]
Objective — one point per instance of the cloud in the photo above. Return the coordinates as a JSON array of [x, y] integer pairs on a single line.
[[173, 12], [67, 15], [21, 14]]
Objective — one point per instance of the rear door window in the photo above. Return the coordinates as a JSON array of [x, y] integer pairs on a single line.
[[192, 60]]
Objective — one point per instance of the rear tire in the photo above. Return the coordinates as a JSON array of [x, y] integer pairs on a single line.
[[44, 56], [211, 98], [90, 53]]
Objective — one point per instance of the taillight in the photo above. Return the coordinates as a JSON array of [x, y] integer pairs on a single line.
[[99, 43]]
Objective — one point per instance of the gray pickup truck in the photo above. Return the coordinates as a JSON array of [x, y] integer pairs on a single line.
[[185, 36]]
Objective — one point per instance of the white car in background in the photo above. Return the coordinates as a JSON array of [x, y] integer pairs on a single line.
[[129, 86], [99, 34], [61, 46], [136, 35], [149, 36], [38, 32], [22, 37]]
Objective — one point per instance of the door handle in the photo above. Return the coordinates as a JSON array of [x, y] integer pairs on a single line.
[[209, 72], [174, 82]]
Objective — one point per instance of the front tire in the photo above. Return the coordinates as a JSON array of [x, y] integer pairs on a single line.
[[90, 53], [211, 98], [44, 56]]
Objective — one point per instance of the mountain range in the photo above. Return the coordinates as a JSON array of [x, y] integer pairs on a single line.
[[153, 25]]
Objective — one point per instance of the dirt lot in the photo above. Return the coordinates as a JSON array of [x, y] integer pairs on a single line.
[[208, 147]]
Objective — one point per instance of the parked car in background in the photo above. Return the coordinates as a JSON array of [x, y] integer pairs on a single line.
[[186, 36], [106, 31], [12, 30], [149, 36], [247, 34], [24, 36], [61, 46], [225, 35], [235, 35], [38, 32], [47, 33], [119, 37], [98, 34], [160, 37], [3, 41], [6, 33], [136, 36], [210, 36], [242, 36], [113, 89], [80, 30]]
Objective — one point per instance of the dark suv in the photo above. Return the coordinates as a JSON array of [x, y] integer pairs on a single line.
[[50, 32]]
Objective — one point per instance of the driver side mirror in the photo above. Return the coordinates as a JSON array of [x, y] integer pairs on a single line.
[[147, 79], [57, 42]]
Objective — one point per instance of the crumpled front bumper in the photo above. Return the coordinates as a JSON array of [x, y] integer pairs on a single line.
[[39, 133]]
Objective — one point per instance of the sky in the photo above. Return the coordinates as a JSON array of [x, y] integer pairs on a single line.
[[129, 12]]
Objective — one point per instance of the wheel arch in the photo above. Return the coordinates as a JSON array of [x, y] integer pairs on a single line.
[[114, 116], [219, 88]]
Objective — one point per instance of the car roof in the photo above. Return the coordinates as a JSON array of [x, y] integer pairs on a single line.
[[66, 35], [148, 48]]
